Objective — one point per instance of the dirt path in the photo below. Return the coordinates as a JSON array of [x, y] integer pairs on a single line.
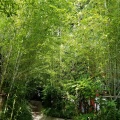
[[43, 117], [37, 114]]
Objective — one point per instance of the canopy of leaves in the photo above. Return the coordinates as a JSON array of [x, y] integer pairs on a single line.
[[54, 41]]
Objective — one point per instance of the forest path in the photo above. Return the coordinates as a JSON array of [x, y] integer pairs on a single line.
[[37, 114]]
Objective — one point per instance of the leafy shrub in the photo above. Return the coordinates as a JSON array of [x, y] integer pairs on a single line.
[[16, 106], [108, 111], [52, 100], [20, 111], [63, 101], [84, 117]]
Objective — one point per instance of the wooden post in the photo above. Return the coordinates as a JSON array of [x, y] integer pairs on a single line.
[[0, 103], [2, 97]]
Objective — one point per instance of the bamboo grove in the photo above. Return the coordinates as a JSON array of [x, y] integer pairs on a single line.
[[58, 43]]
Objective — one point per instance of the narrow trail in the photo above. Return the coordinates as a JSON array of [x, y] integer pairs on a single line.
[[37, 114]]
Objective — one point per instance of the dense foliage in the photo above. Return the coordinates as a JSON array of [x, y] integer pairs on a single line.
[[70, 49]]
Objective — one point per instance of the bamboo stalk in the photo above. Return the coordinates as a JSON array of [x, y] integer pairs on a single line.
[[5, 68], [14, 76], [13, 107]]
